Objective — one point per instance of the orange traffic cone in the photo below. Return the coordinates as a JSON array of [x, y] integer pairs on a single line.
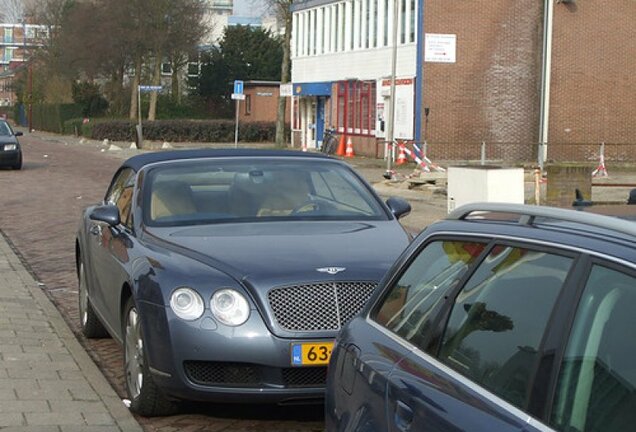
[[402, 156], [341, 146], [349, 152]]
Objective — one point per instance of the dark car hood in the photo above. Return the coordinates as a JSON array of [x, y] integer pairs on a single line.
[[267, 254], [4, 139]]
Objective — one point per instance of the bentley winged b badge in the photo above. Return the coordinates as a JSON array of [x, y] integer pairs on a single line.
[[331, 270]]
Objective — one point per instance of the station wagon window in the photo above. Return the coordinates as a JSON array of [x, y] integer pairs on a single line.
[[499, 317], [407, 308], [596, 390], [120, 194]]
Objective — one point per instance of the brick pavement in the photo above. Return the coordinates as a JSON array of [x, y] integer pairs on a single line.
[[47, 380]]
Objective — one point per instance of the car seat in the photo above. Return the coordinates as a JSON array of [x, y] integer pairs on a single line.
[[171, 198]]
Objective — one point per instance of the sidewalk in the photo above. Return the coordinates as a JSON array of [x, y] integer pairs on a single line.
[[47, 380]]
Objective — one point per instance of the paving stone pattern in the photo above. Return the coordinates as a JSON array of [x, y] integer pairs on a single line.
[[47, 380]]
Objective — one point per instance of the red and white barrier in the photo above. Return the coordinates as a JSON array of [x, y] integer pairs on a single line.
[[601, 170]]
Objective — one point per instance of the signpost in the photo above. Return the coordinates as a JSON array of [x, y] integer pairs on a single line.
[[143, 89], [238, 96]]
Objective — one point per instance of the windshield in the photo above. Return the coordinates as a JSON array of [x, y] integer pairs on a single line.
[[4, 129], [224, 190]]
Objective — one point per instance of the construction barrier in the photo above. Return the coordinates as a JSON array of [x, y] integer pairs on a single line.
[[600, 170]]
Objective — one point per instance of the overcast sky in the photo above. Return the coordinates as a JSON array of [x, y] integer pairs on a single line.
[[250, 7]]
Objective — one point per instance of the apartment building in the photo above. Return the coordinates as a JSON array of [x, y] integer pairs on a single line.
[[17, 43]]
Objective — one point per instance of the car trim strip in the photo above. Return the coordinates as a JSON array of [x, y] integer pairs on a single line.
[[528, 213]]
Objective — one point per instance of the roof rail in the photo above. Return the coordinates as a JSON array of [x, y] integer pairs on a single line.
[[527, 214]]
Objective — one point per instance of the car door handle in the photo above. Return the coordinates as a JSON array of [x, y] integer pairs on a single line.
[[403, 416]]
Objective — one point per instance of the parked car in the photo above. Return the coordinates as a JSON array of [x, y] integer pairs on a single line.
[[10, 151], [499, 318], [226, 274]]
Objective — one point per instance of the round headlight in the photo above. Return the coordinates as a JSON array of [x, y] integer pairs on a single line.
[[187, 304], [230, 307]]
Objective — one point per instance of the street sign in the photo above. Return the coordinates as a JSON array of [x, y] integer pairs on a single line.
[[286, 90], [238, 96], [149, 88], [238, 87]]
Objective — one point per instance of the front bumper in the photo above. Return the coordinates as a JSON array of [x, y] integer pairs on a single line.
[[9, 158], [206, 361]]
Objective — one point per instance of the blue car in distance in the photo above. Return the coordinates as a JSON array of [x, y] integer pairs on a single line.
[[499, 318]]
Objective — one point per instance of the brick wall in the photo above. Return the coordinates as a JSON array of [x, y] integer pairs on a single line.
[[492, 92], [593, 96], [263, 104]]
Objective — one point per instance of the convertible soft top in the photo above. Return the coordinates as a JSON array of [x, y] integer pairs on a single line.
[[139, 161]]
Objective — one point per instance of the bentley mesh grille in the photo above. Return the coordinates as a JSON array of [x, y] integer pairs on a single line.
[[222, 373], [305, 377], [318, 306]]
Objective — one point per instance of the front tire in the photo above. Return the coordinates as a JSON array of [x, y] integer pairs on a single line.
[[145, 396], [90, 324]]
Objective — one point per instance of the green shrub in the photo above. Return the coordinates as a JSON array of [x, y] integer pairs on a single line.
[[51, 117]]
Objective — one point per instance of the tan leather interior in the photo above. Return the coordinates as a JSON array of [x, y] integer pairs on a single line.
[[171, 199]]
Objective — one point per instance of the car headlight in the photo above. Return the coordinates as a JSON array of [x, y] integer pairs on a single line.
[[187, 304], [230, 307], [8, 147]]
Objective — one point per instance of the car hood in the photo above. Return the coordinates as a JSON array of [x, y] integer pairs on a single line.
[[267, 254], [8, 139]]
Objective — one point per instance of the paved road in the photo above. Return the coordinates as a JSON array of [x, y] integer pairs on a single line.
[[40, 209]]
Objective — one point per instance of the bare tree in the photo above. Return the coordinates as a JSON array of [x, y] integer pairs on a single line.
[[177, 28], [282, 9]]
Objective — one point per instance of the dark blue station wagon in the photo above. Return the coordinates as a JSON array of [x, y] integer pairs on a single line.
[[499, 318]]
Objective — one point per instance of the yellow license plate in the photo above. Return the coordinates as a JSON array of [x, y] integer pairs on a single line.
[[311, 354]]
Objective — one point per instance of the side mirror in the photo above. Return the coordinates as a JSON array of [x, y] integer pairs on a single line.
[[108, 214], [399, 207], [18, 134]]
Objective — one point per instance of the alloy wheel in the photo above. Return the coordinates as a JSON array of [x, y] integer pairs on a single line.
[[134, 354]]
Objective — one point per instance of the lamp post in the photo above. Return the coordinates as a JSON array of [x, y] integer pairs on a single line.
[[391, 125], [29, 91]]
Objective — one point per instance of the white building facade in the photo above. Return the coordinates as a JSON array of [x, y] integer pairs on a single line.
[[341, 69]]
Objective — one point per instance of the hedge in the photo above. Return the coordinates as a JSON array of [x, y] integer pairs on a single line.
[[52, 117], [180, 130]]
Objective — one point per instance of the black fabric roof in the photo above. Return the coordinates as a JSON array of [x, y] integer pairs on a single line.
[[139, 161]]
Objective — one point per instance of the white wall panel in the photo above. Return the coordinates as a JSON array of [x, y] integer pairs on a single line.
[[365, 64]]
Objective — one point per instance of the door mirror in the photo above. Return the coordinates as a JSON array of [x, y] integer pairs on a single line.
[[399, 207], [108, 213], [18, 134]]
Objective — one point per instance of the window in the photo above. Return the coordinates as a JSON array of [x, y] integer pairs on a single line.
[[356, 107], [402, 21], [8, 55], [193, 68], [248, 104], [120, 193], [8, 35], [413, 17], [166, 69], [499, 317], [597, 383], [407, 309]]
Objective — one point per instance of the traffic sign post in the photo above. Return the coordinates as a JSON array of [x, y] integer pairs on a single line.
[[238, 96], [143, 89]]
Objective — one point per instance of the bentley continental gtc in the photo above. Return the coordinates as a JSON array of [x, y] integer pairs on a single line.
[[226, 274]]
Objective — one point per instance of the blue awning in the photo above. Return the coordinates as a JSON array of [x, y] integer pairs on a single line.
[[312, 89]]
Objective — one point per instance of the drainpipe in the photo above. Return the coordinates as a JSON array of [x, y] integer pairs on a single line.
[[546, 71]]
